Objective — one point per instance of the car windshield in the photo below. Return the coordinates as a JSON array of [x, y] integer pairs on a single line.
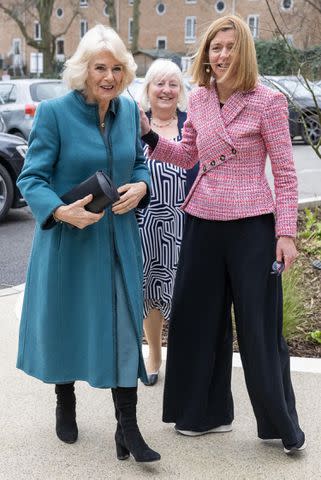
[[134, 90], [298, 88], [43, 91], [6, 90]]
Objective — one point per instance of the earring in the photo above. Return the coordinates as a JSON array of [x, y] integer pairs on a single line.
[[207, 69]]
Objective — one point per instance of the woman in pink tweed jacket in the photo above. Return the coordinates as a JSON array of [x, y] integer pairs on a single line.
[[234, 232]]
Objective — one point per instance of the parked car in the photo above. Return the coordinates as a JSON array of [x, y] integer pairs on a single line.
[[2, 124], [20, 99], [12, 153], [302, 106], [134, 89]]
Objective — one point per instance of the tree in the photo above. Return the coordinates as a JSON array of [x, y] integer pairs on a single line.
[[136, 17], [110, 4], [39, 10], [316, 4], [312, 114]]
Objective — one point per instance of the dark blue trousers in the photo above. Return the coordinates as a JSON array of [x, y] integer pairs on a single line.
[[223, 263]]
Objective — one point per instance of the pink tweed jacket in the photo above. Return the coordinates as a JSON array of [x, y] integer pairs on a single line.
[[232, 144]]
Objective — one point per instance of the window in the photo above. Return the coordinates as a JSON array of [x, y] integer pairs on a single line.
[[286, 5], [130, 2], [16, 46], [60, 47], [190, 1], [161, 8], [130, 30], [83, 3], [161, 43], [190, 29], [37, 31], [83, 27], [59, 12], [105, 11], [253, 23], [220, 7], [186, 62]]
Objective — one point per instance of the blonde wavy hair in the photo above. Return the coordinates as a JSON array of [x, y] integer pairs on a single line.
[[96, 40], [243, 70]]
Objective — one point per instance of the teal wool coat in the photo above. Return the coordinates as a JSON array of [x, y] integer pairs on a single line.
[[68, 323]]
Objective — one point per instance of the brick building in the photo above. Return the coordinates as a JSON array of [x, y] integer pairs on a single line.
[[167, 28]]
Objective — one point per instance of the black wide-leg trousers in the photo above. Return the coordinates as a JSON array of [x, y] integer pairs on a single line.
[[223, 263]]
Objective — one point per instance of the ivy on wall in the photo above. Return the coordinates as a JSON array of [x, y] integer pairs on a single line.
[[275, 58]]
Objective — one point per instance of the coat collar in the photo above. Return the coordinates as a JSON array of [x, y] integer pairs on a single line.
[[92, 108]]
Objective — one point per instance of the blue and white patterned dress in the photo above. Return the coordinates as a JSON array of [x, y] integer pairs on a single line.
[[161, 228]]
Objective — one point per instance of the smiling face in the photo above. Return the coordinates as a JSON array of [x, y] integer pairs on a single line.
[[163, 93], [221, 52], [105, 77]]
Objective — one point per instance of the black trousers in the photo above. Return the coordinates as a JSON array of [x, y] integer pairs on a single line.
[[223, 263]]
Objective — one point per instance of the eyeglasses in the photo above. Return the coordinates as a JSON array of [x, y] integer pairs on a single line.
[[277, 268]]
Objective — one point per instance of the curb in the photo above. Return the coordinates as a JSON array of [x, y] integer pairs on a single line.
[[310, 202], [298, 364]]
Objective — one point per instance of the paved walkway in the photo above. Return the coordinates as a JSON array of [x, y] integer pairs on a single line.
[[29, 449]]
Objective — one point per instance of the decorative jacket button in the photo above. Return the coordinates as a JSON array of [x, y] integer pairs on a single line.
[[222, 157], [233, 151], [213, 163]]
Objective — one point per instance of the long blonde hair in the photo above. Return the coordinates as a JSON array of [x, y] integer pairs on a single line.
[[243, 70]]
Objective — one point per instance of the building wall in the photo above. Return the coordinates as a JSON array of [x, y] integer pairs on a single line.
[[300, 22]]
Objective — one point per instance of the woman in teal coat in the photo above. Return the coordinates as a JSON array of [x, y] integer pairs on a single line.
[[82, 314]]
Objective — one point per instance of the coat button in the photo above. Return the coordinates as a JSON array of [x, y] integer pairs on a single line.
[[204, 168], [222, 157], [233, 151], [213, 163]]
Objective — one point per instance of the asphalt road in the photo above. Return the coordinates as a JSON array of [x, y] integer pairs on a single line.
[[17, 230]]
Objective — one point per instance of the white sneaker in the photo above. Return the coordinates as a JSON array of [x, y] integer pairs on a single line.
[[191, 433], [290, 451]]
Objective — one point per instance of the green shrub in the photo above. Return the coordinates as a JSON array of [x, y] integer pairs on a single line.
[[293, 303], [314, 336]]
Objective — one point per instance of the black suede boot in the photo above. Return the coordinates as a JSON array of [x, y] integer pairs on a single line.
[[128, 437], [122, 451], [66, 426]]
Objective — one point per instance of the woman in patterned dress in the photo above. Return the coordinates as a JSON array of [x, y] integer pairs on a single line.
[[161, 224]]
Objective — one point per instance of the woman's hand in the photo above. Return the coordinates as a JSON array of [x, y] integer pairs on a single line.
[[144, 122], [131, 195], [286, 251], [76, 215]]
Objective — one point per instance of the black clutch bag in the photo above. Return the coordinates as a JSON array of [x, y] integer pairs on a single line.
[[100, 186]]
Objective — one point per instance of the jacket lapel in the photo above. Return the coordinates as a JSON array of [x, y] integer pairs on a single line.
[[215, 117], [233, 107], [220, 118]]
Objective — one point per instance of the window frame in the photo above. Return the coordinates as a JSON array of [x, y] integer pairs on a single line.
[[190, 38], [289, 9], [83, 21], [161, 38], [156, 8], [37, 34], [217, 10], [256, 30], [130, 29], [62, 14]]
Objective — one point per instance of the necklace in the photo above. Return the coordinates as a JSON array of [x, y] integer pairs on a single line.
[[102, 125], [158, 125]]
